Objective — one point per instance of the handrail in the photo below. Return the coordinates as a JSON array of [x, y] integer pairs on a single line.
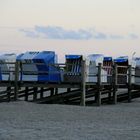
[[61, 68]]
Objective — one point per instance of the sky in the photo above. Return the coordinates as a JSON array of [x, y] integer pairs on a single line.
[[111, 27]]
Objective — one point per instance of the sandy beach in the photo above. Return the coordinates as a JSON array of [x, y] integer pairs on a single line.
[[30, 121]]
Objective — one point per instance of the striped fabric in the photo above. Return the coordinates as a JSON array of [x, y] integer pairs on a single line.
[[6, 70]]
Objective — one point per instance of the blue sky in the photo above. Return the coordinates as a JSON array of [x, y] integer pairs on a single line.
[[111, 27]]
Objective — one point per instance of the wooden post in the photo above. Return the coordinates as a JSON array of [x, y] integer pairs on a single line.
[[35, 94], [68, 89], [129, 82], [114, 83], [16, 80], [8, 94], [83, 83], [96, 97], [56, 91], [99, 84], [109, 95], [52, 91], [26, 93], [41, 92]]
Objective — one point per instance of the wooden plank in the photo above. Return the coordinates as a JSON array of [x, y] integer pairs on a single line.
[[114, 83], [99, 84], [16, 80], [83, 83], [129, 82], [49, 85], [57, 97]]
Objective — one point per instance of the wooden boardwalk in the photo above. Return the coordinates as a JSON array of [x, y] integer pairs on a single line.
[[82, 92]]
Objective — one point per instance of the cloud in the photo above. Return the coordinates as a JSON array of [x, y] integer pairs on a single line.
[[100, 35], [52, 32], [133, 36], [28, 33], [113, 36], [56, 32]]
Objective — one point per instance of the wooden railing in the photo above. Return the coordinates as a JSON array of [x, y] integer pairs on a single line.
[[63, 69]]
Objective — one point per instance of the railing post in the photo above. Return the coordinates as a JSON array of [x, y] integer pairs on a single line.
[[99, 84], [129, 82], [26, 93], [114, 83], [83, 83], [56, 91], [68, 89], [52, 91], [41, 92], [35, 93], [16, 80], [8, 94]]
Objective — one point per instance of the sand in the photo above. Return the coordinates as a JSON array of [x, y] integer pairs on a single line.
[[29, 121]]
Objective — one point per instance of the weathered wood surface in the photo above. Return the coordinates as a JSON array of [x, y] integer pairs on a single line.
[[84, 90]]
